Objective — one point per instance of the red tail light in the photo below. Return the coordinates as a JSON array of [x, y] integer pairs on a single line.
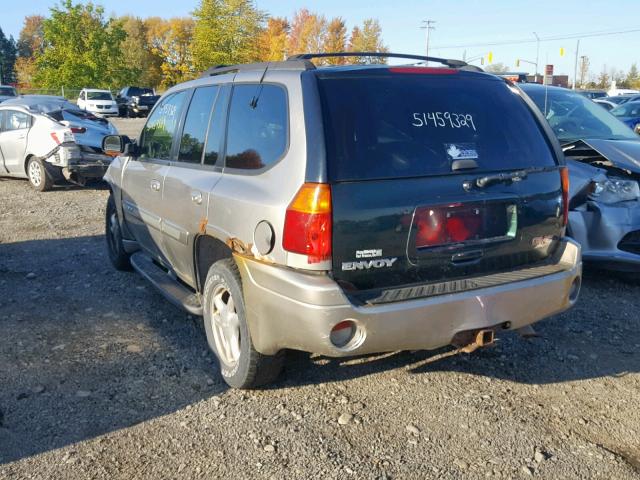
[[78, 130], [307, 224], [55, 138], [564, 177]]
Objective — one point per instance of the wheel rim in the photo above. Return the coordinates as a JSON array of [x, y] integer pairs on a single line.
[[35, 173], [112, 231], [225, 325]]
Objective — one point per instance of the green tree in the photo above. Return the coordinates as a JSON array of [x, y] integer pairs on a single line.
[[138, 55], [633, 77], [226, 32], [7, 58], [368, 38], [603, 80], [82, 49]]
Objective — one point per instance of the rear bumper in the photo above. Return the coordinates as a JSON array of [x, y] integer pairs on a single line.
[[288, 309], [74, 162]]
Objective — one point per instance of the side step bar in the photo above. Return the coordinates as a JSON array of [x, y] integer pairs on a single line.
[[169, 287]]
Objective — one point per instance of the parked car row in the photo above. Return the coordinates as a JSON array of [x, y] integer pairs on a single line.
[[129, 102]]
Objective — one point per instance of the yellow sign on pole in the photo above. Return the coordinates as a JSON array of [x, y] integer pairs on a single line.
[[562, 51], [490, 57]]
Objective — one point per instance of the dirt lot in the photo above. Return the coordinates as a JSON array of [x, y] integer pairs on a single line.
[[102, 378]]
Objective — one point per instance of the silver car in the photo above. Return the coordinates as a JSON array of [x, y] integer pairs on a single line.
[[344, 210], [603, 156], [48, 139]]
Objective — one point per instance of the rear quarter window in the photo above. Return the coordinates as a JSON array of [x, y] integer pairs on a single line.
[[388, 125], [258, 126]]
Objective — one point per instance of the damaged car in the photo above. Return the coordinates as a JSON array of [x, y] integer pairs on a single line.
[[603, 156], [48, 140]]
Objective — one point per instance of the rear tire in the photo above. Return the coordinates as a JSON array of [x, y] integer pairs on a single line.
[[227, 331], [39, 177], [115, 246]]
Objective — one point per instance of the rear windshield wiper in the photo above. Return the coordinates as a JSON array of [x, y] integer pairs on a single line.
[[487, 180]]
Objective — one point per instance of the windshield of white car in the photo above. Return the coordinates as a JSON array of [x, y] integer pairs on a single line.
[[7, 91], [629, 109], [573, 117], [99, 96]]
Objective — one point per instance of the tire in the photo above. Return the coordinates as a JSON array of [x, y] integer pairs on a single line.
[[38, 176], [115, 247], [228, 334]]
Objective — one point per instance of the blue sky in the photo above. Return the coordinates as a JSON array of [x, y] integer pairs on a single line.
[[461, 22]]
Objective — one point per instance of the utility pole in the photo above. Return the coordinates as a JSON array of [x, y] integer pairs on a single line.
[[427, 25], [575, 66], [537, 52]]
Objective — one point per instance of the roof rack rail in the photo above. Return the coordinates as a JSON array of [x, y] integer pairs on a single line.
[[444, 61], [294, 64]]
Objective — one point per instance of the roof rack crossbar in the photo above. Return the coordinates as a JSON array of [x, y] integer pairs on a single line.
[[444, 61]]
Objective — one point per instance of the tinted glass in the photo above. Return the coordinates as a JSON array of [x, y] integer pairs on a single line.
[[572, 116], [137, 91], [99, 96], [394, 125], [157, 134], [257, 131], [195, 125], [14, 120], [216, 128], [7, 92], [629, 109]]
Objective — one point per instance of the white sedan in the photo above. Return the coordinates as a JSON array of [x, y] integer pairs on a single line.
[[98, 102]]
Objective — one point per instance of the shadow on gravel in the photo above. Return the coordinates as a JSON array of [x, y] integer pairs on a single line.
[[599, 337], [93, 184], [86, 350]]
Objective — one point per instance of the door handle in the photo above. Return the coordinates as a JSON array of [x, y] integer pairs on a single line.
[[196, 197], [155, 185]]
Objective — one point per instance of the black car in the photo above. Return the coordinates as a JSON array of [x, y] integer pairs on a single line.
[[136, 101]]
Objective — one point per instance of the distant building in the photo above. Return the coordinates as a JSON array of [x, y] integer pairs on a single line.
[[555, 80]]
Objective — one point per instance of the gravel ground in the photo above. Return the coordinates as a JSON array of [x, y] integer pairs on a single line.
[[101, 378]]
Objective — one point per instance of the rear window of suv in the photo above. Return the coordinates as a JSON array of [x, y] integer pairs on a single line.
[[396, 125]]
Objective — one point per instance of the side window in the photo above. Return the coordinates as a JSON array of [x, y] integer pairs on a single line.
[[157, 135], [195, 125], [257, 131], [15, 120], [216, 128]]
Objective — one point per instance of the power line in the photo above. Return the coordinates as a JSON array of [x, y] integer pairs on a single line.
[[600, 33]]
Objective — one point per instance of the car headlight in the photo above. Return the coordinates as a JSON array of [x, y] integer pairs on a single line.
[[637, 128], [614, 190]]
